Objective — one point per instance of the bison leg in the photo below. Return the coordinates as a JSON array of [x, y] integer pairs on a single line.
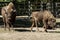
[[45, 25], [8, 26], [4, 26], [32, 26], [4, 23], [12, 26], [36, 25]]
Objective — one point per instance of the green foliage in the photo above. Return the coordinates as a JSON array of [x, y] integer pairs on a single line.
[[23, 0], [20, 0], [44, 0], [1, 0], [5, 0]]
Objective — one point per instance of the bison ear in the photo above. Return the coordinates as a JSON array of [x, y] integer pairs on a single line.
[[53, 20]]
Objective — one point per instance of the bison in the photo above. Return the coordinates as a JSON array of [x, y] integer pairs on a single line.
[[9, 14], [45, 16]]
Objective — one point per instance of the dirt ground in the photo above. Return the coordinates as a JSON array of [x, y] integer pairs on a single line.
[[25, 34]]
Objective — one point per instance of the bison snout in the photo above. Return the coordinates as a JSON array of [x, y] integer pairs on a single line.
[[51, 24]]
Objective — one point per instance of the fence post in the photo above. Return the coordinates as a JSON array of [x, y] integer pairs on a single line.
[[48, 6], [29, 5], [41, 6], [57, 9]]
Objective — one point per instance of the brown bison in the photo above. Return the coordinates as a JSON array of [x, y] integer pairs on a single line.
[[9, 14], [45, 16]]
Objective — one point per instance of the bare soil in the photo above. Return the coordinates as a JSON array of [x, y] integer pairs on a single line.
[[25, 34]]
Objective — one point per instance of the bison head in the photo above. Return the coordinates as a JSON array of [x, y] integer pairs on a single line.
[[11, 11], [52, 22]]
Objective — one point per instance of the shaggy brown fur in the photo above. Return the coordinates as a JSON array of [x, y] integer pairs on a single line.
[[45, 16], [9, 14]]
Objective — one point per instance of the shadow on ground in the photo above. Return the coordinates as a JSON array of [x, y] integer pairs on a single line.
[[42, 31], [22, 30], [53, 32]]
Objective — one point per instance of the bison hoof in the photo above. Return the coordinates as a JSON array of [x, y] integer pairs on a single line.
[[31, 31], [46, 31]]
